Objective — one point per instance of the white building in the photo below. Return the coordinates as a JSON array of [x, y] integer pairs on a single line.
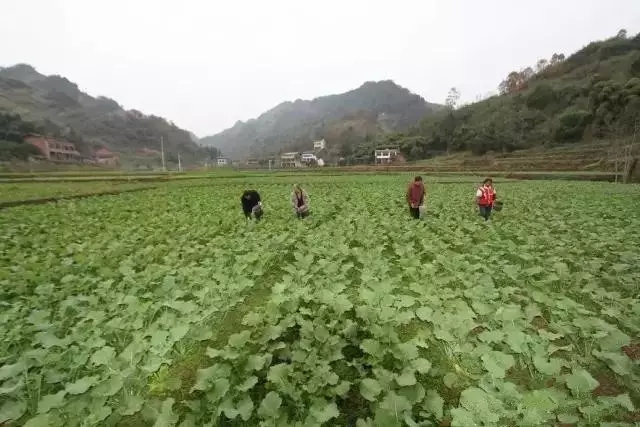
[[385, 155], [319, 145], [222, 162], [308, 158], [290, 160]]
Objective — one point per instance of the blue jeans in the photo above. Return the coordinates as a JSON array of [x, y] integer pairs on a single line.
[[485, 212]]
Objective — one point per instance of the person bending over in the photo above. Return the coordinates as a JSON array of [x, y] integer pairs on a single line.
[[251, 204], [300, 202]]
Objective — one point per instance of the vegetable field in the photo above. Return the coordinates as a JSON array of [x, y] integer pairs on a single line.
[[166, 308]]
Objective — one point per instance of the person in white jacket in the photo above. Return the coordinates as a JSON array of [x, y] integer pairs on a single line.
[[300, 202]]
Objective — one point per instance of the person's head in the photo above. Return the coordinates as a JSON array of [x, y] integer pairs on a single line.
[[488, 182], [247, 195], [417, 179], [297, 188]]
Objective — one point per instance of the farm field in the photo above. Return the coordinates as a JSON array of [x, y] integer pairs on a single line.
[[166, 308]]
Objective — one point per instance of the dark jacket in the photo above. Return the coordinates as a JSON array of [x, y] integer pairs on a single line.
[[251, 201], [415, 194]]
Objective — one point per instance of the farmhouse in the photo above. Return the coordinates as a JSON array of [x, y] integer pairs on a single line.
[[106, 157], [54, 149], [319, 145], [386, 155], [290, 160]]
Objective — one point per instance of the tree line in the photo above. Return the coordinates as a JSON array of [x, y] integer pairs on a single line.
[[592, 94]]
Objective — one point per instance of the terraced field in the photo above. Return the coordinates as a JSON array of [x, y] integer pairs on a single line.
[[166, 307]]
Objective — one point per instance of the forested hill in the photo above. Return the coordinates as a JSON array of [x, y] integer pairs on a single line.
[[362, 114], [593, 94], [57, 106]]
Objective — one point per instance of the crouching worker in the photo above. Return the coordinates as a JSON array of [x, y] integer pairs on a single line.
[[485, 198], [415, 196], [251, 204], [300, 202]]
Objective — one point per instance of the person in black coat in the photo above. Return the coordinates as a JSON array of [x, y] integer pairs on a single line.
[[251, 204]]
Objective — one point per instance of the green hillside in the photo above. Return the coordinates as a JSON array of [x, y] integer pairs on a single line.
[[592, 95], [57, 106], [362, 114]]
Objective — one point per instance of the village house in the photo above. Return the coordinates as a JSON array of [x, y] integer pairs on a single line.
[[105, 157], [54, 149], [385, 155], [319, 145], [309, 157], [290, 160], [222, 161]]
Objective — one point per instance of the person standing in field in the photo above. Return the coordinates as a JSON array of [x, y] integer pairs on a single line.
[[415, 196], [251, 204], [485, 198], [300, 201]]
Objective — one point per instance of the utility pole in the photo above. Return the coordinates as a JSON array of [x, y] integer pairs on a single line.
[[164, 167], [179, 164]]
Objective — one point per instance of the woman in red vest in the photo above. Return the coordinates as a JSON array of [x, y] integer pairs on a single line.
[[485, 197]]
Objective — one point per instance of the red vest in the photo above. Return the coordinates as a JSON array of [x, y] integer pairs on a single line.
[[488, 196]]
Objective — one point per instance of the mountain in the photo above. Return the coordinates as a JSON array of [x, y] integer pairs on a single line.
[[58, 107], [361, 114], [593, 95]]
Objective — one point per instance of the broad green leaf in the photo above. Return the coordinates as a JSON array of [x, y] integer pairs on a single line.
[[393, 402], [491, 336], [270, 405], [81, 385], [538, 407], [220, 388], [51, 401], [372, 347], [42, 420], [256, 362], [278, 373], [421, 365], [166, 418], [407, 351], [323, 411], [568, 418], [134, 405], [240, 339], [370, 389], [245, 408], [103, 356], [424, 313], [434, 403], [98, 415], [11, 387], [581, 382], [617, 362], [497, 363], [550, 367], [480, 405], [12, 410], [407, 378], [9, 371], [247, 384]]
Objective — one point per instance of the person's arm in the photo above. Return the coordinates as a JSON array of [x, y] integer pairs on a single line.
[[478, 196]]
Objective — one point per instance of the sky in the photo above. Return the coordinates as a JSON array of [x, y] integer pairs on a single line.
[[205, 64]]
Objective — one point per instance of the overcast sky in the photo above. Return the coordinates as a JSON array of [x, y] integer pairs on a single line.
[[207, 63]]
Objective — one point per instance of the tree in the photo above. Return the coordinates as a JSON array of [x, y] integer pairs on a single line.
[[452, 98], [622, 34], [541, 65]]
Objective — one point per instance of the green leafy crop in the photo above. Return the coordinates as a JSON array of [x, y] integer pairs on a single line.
[[167, 308]]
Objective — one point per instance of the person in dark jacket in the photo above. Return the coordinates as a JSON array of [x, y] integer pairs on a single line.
[[415, 196], [251, 204]]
